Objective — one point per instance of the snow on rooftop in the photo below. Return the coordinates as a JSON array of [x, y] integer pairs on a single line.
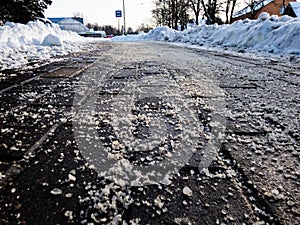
[[72, 25], [258, 6], [296, 8]]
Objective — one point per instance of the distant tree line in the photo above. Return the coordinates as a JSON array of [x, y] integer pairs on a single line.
[[22, 11], [177, 13], [115, 31]]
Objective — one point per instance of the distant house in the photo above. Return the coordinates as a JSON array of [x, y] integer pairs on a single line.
[[273, 7], [74, 24], [292, 9], [58, 19]]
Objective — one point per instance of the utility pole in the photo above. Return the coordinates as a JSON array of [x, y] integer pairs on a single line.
[[124, 18]]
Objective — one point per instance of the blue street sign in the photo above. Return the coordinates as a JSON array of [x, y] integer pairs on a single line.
[[118, 13]]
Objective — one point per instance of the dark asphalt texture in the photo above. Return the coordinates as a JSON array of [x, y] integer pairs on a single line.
[[44, 178]]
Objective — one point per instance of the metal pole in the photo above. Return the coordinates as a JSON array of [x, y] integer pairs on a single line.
[[124, 18]]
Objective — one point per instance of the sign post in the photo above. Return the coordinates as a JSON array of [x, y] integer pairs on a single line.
[[124, 18], [118, 15]]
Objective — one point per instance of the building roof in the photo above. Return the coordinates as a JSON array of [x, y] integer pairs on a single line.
[[296, 8], [72, 25], [258, 5], [58, 19]]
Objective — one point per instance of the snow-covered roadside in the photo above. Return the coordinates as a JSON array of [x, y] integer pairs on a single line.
[[267, 34], [21, 44]]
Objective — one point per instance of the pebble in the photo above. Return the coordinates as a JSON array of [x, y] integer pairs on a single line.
[[69, 195], [187, 191], [290, 203], [69, 214], [56, 191], [158, 202], [71, 177], [2, 176], [275, 192], [14, 148]]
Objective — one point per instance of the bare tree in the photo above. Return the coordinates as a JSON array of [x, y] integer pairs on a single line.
[[176, 12], [196, 7], [129, 30], [144, 28], [89, 25], [161, 13], [171, 13], [77, 14], [229, 9], [183, 13], [180, 13], [211, 10]]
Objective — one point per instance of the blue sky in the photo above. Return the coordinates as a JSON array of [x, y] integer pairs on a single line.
[[103, 11]]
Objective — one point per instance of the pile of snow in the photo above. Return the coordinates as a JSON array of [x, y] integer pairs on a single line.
[[21, 44], [36, 41], [271, 34]]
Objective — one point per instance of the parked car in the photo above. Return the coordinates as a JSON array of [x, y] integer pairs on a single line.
[[97, 34]]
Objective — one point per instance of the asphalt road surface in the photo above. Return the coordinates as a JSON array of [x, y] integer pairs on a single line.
[[151, 133]]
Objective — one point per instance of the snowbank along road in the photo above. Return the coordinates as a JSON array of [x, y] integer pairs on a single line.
[[149, 133]]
